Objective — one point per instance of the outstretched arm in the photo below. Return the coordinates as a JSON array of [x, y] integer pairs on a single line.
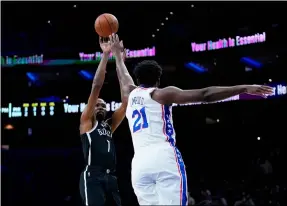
[[125, 78], [98, 81], [171, 95], [120, 113]]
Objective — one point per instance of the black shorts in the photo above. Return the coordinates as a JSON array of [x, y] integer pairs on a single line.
[[99, 187]]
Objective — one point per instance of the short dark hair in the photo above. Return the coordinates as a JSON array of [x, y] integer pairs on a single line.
[[148, 72]]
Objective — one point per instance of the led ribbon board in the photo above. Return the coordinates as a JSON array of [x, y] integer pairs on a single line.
[[83, 58], [43, 109], [228, 42]]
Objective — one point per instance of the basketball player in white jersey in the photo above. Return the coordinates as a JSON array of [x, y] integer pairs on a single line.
[[158, 171]]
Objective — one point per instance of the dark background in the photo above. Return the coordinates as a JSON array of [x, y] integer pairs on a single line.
[[224, 157]]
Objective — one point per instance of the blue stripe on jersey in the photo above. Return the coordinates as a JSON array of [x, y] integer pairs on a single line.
[[169, 131]]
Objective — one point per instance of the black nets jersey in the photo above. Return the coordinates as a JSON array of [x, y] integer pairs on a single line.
[[98, 146]]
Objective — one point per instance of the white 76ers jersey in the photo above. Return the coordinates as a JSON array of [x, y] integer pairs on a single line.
[[150, 122]]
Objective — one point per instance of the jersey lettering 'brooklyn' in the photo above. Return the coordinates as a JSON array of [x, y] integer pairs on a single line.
[[103, 131]]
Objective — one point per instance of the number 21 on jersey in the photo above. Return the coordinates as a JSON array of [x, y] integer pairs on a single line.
[[140, 120]]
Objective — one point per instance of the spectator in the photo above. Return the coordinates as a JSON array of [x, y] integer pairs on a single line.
[[191, 200], [266, 167], [245, 201]]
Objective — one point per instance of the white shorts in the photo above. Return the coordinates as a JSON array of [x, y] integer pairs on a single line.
[[159, 177]]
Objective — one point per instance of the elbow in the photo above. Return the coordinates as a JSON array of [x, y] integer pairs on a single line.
[[121, 110], [124, 105], [96, 88], [206, 95], [97, 85]]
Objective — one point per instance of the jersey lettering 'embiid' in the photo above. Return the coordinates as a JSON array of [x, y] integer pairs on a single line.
[[150, 122]]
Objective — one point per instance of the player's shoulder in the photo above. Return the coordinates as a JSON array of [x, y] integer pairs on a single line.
[[165, 90], [169, 88], [129, 88], [163, 95]]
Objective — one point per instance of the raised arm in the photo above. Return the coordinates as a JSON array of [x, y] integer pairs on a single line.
[[171, 94], [123, 74], [98, 81], [125, 80], [120, 113]]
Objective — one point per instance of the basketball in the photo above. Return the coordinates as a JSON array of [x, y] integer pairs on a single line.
[[106, 24]]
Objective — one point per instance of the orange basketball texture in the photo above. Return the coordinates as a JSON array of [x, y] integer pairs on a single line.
[[106, 24]]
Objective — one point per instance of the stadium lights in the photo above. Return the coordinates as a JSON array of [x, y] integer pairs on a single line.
[[195, 67], [251, 62]]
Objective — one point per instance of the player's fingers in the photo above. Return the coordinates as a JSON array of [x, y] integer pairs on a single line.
[[125, 53], [268, 92], [265, 93], [117, 38], [261, 94], [267, 88], [100, 40], [114, 38], [123, 44], [111, 38]]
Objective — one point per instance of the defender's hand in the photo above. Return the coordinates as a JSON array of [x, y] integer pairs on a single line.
[[124, 54], [116, 45], [259, 90]]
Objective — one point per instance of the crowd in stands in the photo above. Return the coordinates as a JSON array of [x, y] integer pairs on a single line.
[[264, 184], [51, 178]]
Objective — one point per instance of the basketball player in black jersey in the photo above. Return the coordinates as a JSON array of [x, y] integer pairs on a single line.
[[98, 180]]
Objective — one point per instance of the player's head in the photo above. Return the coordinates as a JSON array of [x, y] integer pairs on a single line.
[[100, 110], [148, 73]]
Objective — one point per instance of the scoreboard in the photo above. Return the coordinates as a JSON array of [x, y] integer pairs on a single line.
[[42, 109], [29, 109]]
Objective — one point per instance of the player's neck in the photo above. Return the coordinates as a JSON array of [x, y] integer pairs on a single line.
[[100, 120]]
